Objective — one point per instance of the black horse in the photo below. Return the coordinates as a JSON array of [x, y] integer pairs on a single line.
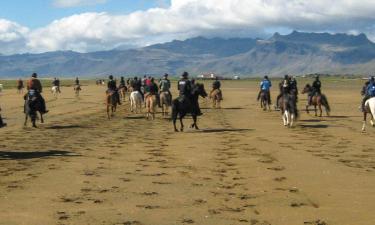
[[181, 108], [31, 107]]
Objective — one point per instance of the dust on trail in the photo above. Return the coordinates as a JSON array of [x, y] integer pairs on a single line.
[[243, 167]]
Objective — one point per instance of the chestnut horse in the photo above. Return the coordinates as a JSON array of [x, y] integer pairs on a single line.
[[111, 101], [216, 96], [150, 105], [317, 101]]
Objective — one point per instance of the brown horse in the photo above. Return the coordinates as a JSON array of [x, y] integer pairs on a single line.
[[264, 101], [317, 101], [77, 89], [216, 96], [150, 105], [165, 102], [123, 90], [111, 101]]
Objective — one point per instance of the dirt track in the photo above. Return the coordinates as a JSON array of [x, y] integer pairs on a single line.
[[243, 167]]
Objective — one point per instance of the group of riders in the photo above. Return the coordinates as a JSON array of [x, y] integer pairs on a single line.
[[148, 86], [288, 86]]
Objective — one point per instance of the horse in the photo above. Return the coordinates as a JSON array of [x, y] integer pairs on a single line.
[[31, 107], [150, 105], [20, 89], [55, 91], [264, 100], [182, 107], [317, 101], [122, 91], [136, 102], [216, 96], [289, 111], [77, 89], [165, 101], [369, 108], [111, 101]]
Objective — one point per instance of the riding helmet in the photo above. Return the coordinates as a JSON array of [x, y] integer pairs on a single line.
[[185, 74], [34, 75], [110, 77]]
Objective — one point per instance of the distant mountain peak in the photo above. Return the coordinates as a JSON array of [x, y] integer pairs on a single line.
[[340, 39]]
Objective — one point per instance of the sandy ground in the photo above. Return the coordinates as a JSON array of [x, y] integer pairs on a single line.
[[242, 167]]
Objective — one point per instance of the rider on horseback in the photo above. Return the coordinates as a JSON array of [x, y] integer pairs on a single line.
[[368, 91], [265, 86], [184, 87], [122, 83], [56, 83], [112, 89], [316, 89], [34, 87], [216, 86], [165, 86], [285, 87]]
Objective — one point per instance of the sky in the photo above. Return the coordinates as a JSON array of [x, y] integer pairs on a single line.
[[36, 26]]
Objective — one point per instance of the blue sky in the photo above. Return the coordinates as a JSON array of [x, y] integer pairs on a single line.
[[38, 13]]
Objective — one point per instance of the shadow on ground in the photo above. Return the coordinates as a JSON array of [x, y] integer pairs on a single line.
[[6, 155]]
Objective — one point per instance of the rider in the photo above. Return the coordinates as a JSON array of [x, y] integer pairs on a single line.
[[293, 87], [77, 81], [216, 86], [316, 89], [193, 86], [34, 85], [136, 85], [284, 87], [2, 124], [165, 85], [56, 83], [112, 88], [368, 91], [265, 86], [122, 83], [20, 84], [184, 87]]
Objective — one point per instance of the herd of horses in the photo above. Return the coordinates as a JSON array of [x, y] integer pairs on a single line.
[[288, 104], [180, 108]]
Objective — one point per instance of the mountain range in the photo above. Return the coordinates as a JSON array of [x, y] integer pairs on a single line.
[[295, 53]]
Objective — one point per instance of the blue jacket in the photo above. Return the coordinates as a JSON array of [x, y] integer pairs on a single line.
[[371, 89], [265, 85]]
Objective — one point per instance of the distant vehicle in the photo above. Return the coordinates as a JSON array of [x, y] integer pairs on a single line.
[[236, 78], [209, 76]]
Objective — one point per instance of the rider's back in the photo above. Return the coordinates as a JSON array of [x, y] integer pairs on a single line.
[[34, 84]]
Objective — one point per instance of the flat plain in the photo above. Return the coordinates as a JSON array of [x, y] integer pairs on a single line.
[[242, 167]]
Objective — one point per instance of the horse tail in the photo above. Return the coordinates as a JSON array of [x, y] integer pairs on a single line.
[[325, 103]]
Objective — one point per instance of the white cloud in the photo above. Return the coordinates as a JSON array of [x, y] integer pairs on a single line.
[[188, 18], [12, 37], [75, 3]]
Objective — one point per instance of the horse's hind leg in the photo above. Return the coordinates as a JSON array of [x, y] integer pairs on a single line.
[[364, 121], [41, 118], [26, 117], [321, 111], [195, 122], [182, 124], [316, 110]]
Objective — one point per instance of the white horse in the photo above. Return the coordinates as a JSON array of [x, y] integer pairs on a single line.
[[55, 91], [136, 102], [369, 108]]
